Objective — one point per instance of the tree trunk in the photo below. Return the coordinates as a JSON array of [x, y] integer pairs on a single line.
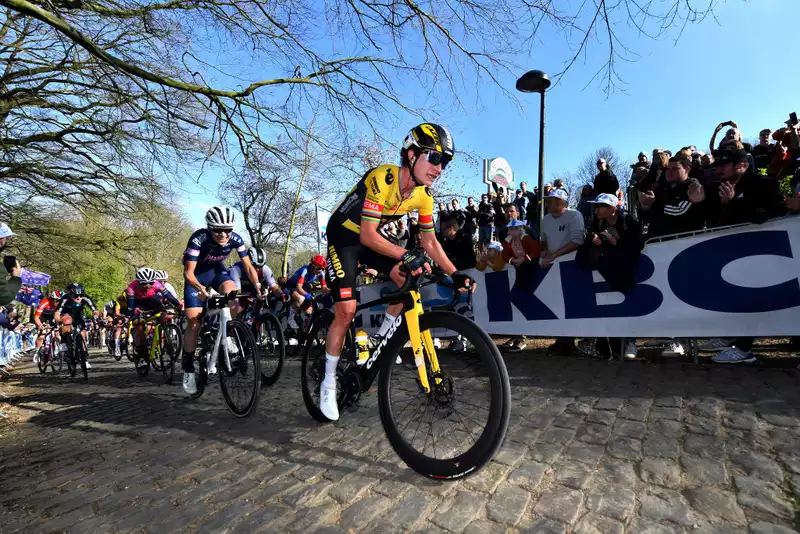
[[303, 173]]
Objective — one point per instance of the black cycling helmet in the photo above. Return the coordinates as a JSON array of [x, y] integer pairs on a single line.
[[75, 289], [430, 137]]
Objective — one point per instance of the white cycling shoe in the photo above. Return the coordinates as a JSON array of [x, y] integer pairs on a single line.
[[189, 383], [327, 399]]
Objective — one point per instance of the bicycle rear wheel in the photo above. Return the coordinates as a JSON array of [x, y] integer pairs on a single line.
[[43, 356], [57, 363], [241, 385], [269, 340], [82, 355], [458, 427], [72, 358], [169, 349]]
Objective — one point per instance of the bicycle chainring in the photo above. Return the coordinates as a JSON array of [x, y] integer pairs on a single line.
[[350, 387]]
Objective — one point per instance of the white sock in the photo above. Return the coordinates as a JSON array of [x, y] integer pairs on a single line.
[[331, 362], [388, 320]]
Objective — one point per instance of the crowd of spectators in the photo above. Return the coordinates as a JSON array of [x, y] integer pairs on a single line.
[[677, 192]]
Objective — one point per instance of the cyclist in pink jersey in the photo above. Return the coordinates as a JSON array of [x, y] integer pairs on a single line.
[[146, 294]]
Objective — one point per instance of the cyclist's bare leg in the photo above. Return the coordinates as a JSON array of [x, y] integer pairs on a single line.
[[190, 337], [343, 313]]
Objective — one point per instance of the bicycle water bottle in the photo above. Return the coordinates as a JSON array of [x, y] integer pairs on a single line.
[[362, 341]]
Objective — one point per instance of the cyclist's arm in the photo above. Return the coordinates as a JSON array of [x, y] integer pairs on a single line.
[[188, 275], [252, 275], [371, 239], [435, 251], [170, 298]]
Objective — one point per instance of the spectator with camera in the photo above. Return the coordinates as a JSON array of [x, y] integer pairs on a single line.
[[612, 247], [10, 281], [678, 207]]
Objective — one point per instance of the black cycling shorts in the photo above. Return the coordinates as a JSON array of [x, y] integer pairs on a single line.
[[344, 256]]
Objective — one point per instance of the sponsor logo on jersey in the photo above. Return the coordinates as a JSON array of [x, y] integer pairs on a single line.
[[428, 191], [374, 188], [335, 265], [345, 292], [372, 206], [389, 177]]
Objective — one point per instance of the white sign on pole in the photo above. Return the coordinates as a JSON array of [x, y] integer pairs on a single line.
[[498, 171]]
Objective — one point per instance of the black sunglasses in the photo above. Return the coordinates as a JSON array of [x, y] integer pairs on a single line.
[[222, 230], [436, 158]]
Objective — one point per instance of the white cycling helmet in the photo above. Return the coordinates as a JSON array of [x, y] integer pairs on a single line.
[[145, 274], [220, 217], [257, 256], [162, 276]]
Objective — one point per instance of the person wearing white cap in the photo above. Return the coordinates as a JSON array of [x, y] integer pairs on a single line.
[[10, 280], [620, 237], [562, 233]]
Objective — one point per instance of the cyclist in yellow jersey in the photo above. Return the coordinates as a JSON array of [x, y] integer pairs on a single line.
[[383, 194]]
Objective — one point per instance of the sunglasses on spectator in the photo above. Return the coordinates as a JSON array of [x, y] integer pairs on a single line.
[[437, 158], [220, 231]]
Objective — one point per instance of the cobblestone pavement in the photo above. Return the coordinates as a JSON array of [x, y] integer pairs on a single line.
[[593, 447]]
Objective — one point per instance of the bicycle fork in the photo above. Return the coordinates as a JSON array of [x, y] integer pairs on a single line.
[[420, 340]]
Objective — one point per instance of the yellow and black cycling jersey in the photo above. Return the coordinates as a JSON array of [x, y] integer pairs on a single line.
[[377, 198], [122, 302]]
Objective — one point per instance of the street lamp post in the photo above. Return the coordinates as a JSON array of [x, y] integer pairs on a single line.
[[536, 81]]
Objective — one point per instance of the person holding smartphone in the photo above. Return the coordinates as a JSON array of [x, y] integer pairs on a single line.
[[10, 280]]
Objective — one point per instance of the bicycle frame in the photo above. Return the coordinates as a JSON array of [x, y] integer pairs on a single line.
[[223, 315], [412, 309]]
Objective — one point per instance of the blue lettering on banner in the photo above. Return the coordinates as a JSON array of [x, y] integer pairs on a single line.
[[499, 298], [695, 275], [580, 293]]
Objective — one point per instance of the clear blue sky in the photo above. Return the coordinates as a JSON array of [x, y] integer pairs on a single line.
[[736, 67]]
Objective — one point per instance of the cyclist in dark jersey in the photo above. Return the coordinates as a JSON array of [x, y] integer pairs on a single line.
[[70, 312], [207, 249]]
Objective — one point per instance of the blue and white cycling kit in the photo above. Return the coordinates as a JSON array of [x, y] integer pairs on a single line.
[[209, 255], [300, 277]]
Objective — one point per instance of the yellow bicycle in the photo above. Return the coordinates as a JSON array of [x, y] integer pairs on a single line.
[[163, 345], [445, 416]]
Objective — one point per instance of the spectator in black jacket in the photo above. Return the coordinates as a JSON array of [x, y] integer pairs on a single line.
[[457, 244], [530, 210], [499, 202], [10, 280], [471, 212], [457, 213], [739, 195], [605, 181], [678, 207], [613, 246], [485, 220]]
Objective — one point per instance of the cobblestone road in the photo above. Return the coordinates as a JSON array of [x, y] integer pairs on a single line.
[[593, 447]]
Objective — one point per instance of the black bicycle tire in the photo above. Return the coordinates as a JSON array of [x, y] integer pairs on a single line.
[[249, 340], [83, 355], [72, 362], [42, 363], [56, 355], [320, 319], [201, 376], [267, 316], [291, 350], [144, 370], [168, 350], [493, 435]]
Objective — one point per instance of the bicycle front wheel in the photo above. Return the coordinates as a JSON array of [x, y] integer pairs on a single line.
[[43, 357], [169, 350], [269, 340], [241, 384], [82, 354], [57, 362], [456, 428]]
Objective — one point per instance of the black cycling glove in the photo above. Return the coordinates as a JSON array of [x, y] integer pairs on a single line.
[[462, 280], [414, 259]]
